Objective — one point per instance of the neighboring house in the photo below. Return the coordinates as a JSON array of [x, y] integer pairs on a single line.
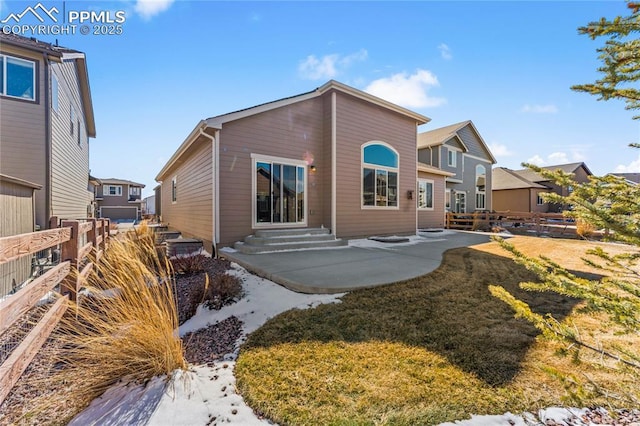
[[520, 190], [431, 196], [630, 177], [335, 157], [460, 150], [511, 192], [119, 199], [46, 121], [149, 205]]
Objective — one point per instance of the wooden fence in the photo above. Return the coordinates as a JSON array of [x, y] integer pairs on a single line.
[[539, 223], [70, 236]]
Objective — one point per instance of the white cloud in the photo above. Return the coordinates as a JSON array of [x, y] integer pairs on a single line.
[[632, 167], [329, 66], [500, 150], [150, 8], [445, 51], [540, 109], [558, 158], [537, 160], [407, 90]]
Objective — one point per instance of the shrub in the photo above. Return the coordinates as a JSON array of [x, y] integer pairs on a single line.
[[189, 265], [221, 290]]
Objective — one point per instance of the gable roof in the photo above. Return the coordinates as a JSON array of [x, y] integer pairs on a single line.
[[503, 178], [217, 121], [441, 135], [632, 177], [115, 181], [567, 168], [60, 54], [422, 167]]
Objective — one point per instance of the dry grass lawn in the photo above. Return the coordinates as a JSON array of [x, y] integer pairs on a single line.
[[433, 349]]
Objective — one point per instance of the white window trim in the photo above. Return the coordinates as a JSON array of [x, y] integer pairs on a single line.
[[447, 199], [433, 186], [455, 157], [377, 167], [4, 77], [259, 158], [106, 190], [174, 193], [484, 193]]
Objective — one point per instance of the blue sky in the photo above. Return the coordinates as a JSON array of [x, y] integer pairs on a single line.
[[505, 65]]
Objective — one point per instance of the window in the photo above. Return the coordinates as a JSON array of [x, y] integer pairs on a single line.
[[451, 157], [481, 194], [279, 190], [112, 190], [72, 120], [539, 199], [174, 189], [17, 78], [379, 175], [425, 194], [55, 103], [134, 193], [447, 200]]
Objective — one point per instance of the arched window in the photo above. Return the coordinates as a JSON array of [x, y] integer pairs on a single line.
[[379, 175], [481, 182]]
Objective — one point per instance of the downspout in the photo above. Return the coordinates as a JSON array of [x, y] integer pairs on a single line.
[[214, 194], [48, 140], [333, 164]]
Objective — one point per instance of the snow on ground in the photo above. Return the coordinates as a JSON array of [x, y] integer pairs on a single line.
[[197, 396], [207, 395]]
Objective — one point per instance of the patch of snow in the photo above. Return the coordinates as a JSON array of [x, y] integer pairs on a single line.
[[202, 393], [228, 250], [552, 415], [413, 239]]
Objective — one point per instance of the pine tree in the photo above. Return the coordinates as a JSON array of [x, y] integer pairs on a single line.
[[620, 56], [609, 203]]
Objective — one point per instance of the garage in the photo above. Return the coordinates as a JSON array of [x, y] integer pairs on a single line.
[[119, 213]]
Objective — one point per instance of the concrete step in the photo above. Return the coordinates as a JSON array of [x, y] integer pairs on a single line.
[[253, 249], [262, 241], [269, 233]]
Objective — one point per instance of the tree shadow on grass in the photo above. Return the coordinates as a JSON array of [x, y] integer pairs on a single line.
[[449, 311]]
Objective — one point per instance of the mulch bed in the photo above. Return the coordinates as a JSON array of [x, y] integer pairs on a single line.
[[212, 343]]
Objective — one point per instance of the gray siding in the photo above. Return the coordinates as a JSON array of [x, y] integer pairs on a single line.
[[442, 153], [433, 218], [69, 159], [16, 205], [474, 145], [469, 182], [293, 132], [360, 122], [23, 136], [192, 213]]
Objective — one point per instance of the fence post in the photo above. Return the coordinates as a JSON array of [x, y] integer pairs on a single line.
[[70, 253], [92, 236], [53, 222]]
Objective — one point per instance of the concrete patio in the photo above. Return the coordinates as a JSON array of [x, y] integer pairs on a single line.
[[362, 264]]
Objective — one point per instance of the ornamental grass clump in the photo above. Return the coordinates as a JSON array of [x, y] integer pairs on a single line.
[[123, 327]]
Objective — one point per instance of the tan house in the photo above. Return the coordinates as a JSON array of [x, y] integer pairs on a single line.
[[520, 190], [119, 199], [335, 158], [45, 124]]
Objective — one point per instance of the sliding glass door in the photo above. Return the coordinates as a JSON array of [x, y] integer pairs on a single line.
[[279, 192]]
